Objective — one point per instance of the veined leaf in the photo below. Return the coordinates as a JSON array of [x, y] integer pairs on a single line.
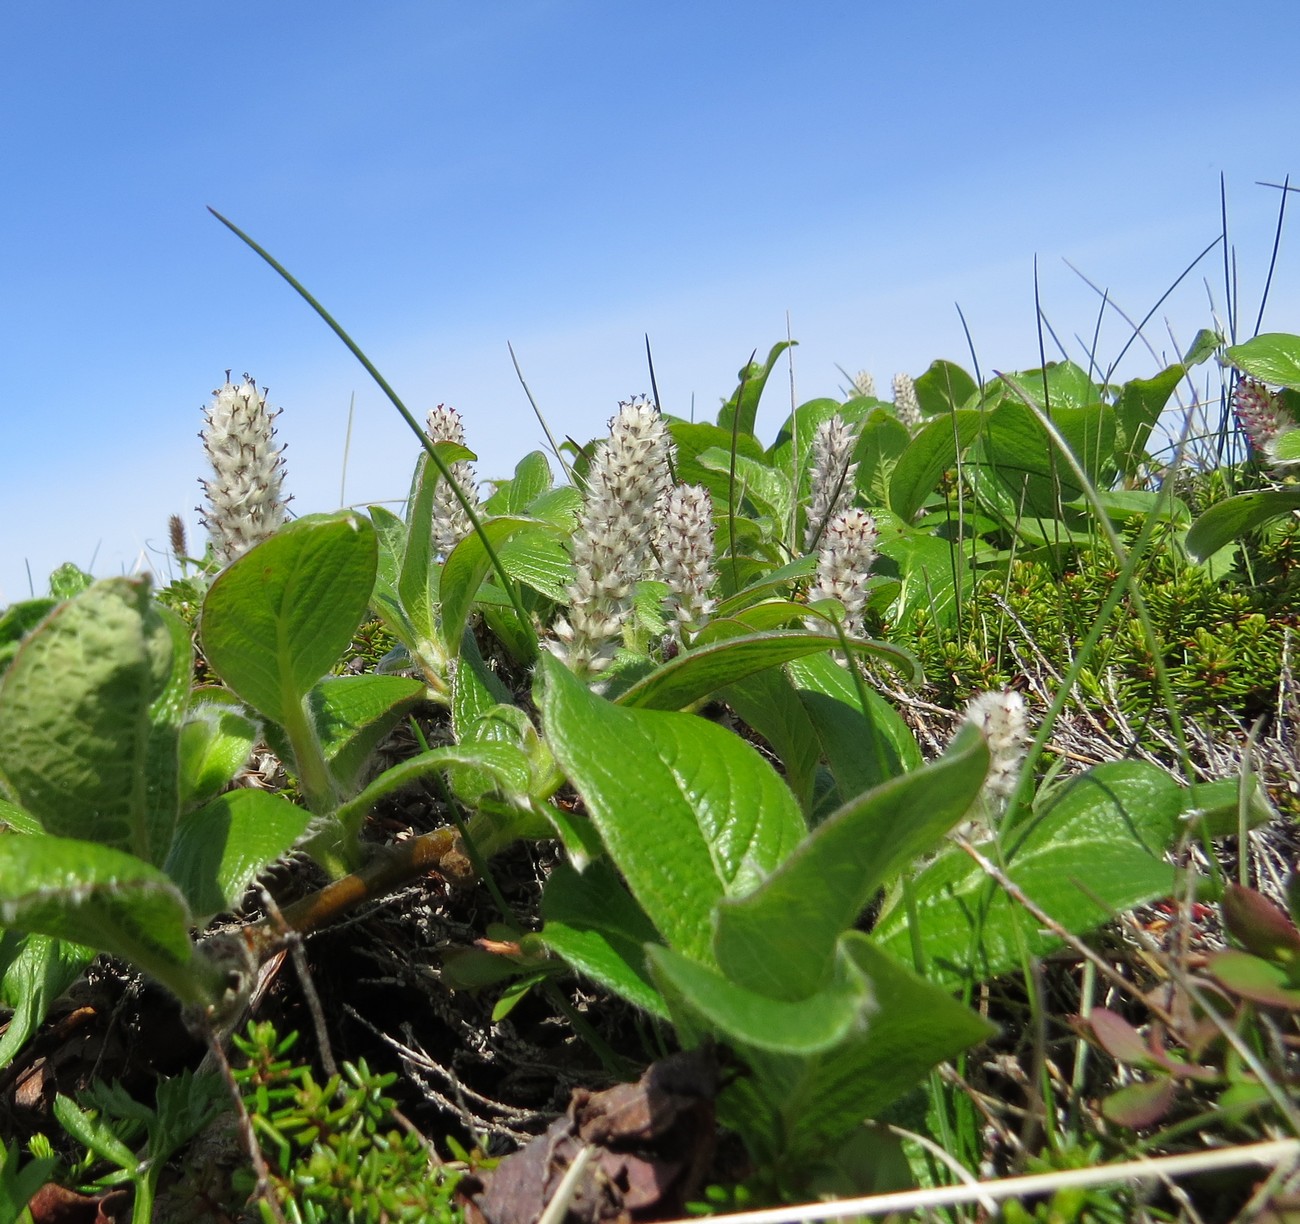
[[220, 849], [103, 898], [277, 619], [688, 812], [1273, 357], [90, 711], [780, 939], [697, 673]]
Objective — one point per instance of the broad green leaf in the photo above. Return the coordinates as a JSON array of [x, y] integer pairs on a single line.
[[36, 970], [475, 688], [943, 388], [1138, 408], [1231, 519], [595, 924], [764, 488], [354, 714], [738, 1016], [216, 742], [539, 560], [769, 581], [532, 478], [465, 569], [1285, 448], [103, 898], [849, 736], [693, 439], [277, 619], [220, 849], [1092, 852], [929, 568], [1273, 357], [781, 938], [697, 673], [743, 404], [688, 812], [792, 1109], [417, 580], [931, 453], [880, 446], [768, 703], [18, 620], [1123, 504], [89, 719]]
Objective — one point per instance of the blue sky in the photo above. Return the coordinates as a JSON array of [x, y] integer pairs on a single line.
[[569, 175]]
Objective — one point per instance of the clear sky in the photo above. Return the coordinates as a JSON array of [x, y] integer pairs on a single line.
[[569, 175]]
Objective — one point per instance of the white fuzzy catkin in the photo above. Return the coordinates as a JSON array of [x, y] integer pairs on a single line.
[[907, 407], [244, 504], [848, 548], [450, 522], [1002, 718], [831, 476], [627, 485], [864, 385], [686, 555]]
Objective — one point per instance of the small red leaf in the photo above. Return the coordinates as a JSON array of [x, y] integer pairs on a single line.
[[1141, 1104]]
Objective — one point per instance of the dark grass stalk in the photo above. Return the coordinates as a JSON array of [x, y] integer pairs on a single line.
[[444, 469], [1286, 188], [541, 420]]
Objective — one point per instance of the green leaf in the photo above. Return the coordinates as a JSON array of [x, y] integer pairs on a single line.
[[216, 742], [688, 812], [931, 453], [742, 407], [595, 924], [277, 619], [740, 1016], [1092, 852], [17, 621], [1138, 408], [532, 478], [37, 970], [766, 490], [464, 571], [93, 1133], [417, 579], [221, 848], [768, 703], [17, 819], [780, 939], [19, 1185], [1231, 519], [697, 673], [538, 560], [89, 719], [1273, 357], [1252, 978], [103, 898], [1285, 448], [856, 743], [354, 714], [810, 1104], [944, 388]]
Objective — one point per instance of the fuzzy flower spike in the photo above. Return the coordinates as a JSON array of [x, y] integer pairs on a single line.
[[848, 548], [1002, 718], [686, 555], [244, 506], [450, 522], [627, 485], [831, 476]]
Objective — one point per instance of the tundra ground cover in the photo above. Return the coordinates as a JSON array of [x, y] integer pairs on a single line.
[[888, 788]]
